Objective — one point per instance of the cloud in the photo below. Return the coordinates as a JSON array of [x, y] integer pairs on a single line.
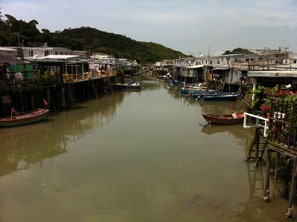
[[187, 26]]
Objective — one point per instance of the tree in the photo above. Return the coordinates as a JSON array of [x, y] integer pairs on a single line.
[[15, 32], [1, 14], [237, 51]]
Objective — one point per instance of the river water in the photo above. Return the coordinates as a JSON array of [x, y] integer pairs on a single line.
[[133, 157]]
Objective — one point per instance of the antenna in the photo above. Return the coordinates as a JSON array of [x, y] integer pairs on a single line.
[[17, 34]]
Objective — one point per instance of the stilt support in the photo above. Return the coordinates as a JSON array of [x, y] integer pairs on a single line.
[[289, 214], [267, 176], [255, 147]]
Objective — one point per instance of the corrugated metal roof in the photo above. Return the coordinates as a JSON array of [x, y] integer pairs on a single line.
[[54, 58], [221, 67], [7, 49], [60, 56], [277, 73], [193, 66], [10, 59]]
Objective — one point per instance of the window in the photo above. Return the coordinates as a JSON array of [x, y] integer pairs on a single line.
[[31, 53], [46, 53]]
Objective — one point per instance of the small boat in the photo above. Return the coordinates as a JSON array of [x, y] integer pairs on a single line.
[[33, 116], [219, 96], [224, 119], [192, 88], [132, 85], [173, 82], [196, 95]]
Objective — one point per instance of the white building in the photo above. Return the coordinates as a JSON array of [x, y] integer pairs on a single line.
[[39, 52]]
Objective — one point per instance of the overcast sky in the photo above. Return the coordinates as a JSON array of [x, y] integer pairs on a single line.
[[189, 26]]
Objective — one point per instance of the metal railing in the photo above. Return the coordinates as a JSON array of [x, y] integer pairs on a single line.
[[260, 122]]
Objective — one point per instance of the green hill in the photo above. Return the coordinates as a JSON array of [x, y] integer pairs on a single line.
[[14, 32], [118, 45]]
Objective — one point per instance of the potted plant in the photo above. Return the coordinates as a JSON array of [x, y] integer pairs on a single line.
[[266, 107]]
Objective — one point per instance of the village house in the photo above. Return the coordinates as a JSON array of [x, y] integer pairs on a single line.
[[38, 52], [230, 69], [62, 64]]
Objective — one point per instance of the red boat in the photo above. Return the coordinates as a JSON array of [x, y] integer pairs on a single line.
[[24, 118], [224, 119]]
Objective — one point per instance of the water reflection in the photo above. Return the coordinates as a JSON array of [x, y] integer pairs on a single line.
[[25, 145], [218, 107], [232, 130], [151, 85], [18, 152], [131, 156], [256, 209]]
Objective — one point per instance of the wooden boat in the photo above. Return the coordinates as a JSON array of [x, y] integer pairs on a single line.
[[219, 96], [192, 88], [196, 95], [132, 85], [173, 82], [24, 118], [224, 119]]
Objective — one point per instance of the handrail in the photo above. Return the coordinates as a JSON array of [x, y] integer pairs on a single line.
[[257, 125]]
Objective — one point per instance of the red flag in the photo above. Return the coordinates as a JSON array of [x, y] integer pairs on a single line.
[[45, 102], [13, 111]]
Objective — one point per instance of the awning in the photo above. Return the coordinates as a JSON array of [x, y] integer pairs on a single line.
[[194, 66], [10, 59], [221, 68], [274, 74]]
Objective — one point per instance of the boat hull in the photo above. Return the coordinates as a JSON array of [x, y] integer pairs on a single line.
[[25, 118], [127, 86], [220, 96], [226, 119]]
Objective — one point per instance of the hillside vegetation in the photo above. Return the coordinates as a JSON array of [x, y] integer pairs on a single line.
[[14, 32], [238, 51]]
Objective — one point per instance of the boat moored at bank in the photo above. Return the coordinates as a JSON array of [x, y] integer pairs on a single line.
[[19, 119]]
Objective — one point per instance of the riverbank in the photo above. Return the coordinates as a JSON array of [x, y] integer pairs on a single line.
[[121, 158], [25, 95]]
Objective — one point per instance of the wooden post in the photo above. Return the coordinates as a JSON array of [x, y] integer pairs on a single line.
[[48, 97], [289, 214], [267, 175], [255, 142], [63, 99], [22, 101], [32, 100]]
